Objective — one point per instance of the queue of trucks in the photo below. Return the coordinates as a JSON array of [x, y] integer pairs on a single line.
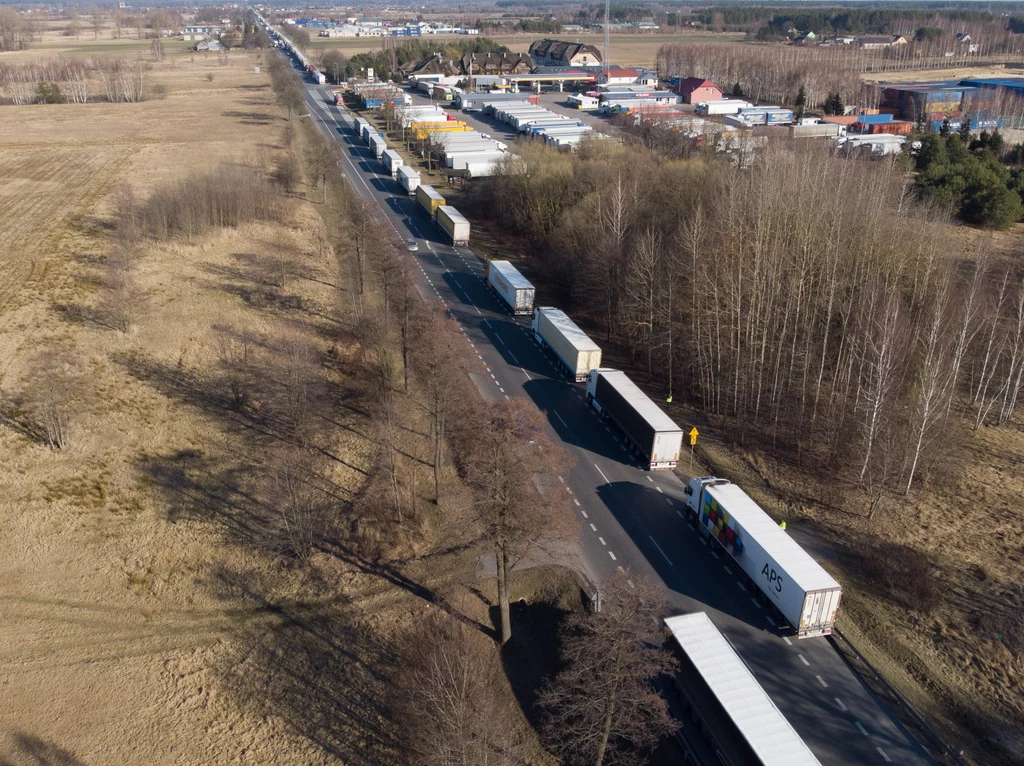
[[720, 690]]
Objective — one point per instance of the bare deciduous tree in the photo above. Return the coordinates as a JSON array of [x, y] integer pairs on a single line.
[[506, 455], [602, 703], [53, 396], [296, 502], [450, 698]]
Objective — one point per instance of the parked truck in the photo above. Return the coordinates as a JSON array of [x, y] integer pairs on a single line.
[[409, 178], [392, 161], [804, 593], [511, 286], [429, 199], [652, 433], [453, 224], [378, 146], [738, 718], [723, 106], [554, 330]]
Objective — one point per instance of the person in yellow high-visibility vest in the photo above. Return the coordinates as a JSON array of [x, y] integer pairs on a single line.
[[669, 400], [782, 524]]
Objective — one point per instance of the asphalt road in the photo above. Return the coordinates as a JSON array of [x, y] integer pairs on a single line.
[[630, 517]]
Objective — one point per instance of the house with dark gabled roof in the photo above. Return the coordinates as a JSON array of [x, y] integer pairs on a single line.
[[559, 53]]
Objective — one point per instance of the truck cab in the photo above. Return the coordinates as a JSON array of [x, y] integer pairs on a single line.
[[695, 488]]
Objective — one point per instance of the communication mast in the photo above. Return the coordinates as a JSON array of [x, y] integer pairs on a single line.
[[604, 53]]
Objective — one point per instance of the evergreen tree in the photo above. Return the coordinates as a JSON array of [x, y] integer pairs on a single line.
[[946, 128], [965, 130], [737, 90], [801, 101], [932, 152]]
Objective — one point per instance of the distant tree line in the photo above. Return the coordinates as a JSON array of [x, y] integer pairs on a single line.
[[396, 52]]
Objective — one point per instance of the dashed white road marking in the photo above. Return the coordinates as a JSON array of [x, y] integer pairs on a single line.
[[612, 555], [650, 480], [742, 587], [715, 555], [669, 501], [727, 570], [660, 490], [841, 705], [803, 660], [584, 514], [822, 682], [575, 500], [882, 752], [592, 527], [602, 541], [606, 481], [661, 551], [788, 642], [770, 620], [860, 728]]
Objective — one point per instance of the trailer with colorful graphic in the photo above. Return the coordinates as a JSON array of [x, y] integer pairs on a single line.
[[803, 592]]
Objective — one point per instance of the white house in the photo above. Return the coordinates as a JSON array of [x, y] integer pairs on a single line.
[[200, 32], [618, 77]]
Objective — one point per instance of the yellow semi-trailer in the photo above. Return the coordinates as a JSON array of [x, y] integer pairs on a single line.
[[429, 198]]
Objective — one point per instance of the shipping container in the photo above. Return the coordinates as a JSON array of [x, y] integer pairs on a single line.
[[511, 286], [804, 593], [429, 198], [554, 329], [742, 721], [648, 429], [409, 178], [453, 224], [392, 162]]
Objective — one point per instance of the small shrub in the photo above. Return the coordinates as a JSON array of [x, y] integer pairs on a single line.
[[159, 91], [49, 93], [209, 77], [288, 172]]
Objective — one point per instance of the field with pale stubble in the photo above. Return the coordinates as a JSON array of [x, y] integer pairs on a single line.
[[133, 630]]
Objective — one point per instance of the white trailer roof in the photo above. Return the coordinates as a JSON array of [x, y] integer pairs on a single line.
[[452, 214], [804, 571], [642, 403], [393, 155], [569, 329], [512, 275], [772, 738], [408, 172]]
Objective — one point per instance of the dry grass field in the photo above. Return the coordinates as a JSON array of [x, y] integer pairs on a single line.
[[131, 632]]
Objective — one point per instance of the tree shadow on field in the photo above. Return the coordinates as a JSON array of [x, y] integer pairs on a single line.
[[38, 752], [250, 118], [314, 667], [531, 655]]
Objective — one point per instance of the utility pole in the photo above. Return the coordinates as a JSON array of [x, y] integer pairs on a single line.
[[604, 53]]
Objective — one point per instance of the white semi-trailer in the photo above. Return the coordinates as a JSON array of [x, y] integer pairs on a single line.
[[739, 719], [652, 433], [511, 286], [409, 178], [804, 593], [392, 161], [554, 329], [453, 224], [724, 106], [378, 146]]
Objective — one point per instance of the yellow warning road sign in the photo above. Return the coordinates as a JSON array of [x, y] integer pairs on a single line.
[[694, 433]]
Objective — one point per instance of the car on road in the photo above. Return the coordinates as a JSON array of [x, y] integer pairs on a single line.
[[411, 245]]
